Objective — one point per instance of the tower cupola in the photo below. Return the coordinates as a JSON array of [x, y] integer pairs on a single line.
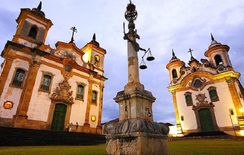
[[174, 66]]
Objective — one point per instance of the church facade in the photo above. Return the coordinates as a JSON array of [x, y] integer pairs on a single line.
[[207, 95], [50, 88]]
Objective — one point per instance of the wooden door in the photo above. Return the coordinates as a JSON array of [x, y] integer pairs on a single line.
[[206, 120], [59, 117]]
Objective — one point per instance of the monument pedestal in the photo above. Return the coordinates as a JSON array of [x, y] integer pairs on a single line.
[[137, 137], [136, 133], [137, 144]]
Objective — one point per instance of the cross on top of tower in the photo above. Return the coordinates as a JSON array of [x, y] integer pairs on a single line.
[[74, 30]]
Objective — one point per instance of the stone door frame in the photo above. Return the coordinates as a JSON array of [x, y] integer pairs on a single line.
[[211, 109], [51, 113]]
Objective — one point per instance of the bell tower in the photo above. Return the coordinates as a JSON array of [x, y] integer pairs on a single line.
[[217, 54], [94, 54], [32, 27], [174, 67]]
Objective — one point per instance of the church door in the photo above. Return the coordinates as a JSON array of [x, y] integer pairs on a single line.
[[59, 117], [206, 120]]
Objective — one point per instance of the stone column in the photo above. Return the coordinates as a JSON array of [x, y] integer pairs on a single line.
[[133, 69]]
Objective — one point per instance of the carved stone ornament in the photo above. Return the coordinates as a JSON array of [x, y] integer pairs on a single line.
[[130, 126], [202, 103], [62, 93], [201, 99]]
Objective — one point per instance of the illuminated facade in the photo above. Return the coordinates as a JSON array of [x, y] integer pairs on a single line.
[[207, 95], [46, 88]]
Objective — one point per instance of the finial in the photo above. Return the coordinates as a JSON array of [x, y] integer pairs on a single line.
[[94, 37], [173, 55], [94, 40], [39, 6], [130, 2], [212, 37]]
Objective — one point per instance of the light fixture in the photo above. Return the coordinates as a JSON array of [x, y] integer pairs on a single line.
[[241, 132], [8, 105], [93, 118]]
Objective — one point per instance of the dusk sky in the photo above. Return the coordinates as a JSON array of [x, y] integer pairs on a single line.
[[162, 25]]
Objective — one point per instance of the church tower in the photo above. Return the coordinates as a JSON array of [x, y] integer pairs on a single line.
[[32, 27], [207, 95]]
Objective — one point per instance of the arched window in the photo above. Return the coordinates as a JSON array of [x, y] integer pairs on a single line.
[[46, 82], [174, 73], [197, 83], [33, 32], [80, 92], [19, 77], [188, 98], [218, 60], [96, 60], [213, 94]]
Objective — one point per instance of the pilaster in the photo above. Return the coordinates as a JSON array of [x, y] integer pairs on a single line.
[[5, 73], [89, 101], [177, 117], [100, 105], [234, 95]]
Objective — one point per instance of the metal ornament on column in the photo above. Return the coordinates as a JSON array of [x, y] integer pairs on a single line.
[[130, 16], [135, 127]]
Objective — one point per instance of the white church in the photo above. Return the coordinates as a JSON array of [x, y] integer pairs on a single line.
[[49, 88], [207, 95]]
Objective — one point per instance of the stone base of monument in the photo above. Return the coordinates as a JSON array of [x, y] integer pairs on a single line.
[[137, 144], [137, 137]]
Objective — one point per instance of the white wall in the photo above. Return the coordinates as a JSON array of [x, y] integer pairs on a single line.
[[11, 93]]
